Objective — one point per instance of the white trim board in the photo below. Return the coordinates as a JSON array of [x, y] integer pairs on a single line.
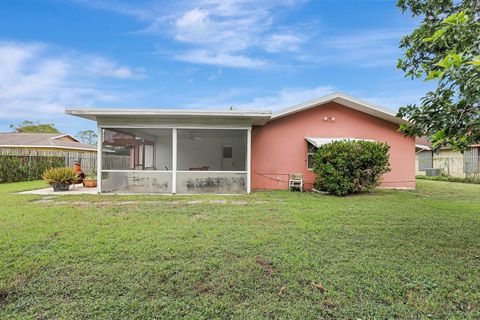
[[346, 100]]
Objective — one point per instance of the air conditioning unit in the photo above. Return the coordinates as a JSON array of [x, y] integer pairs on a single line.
[[433, 172]]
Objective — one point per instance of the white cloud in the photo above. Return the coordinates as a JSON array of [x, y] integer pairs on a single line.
[[395, 101], [287, 97], [101, 67], [283, 98], [37, 84], [193, 26], [364, 39], [220, 59], [362, 49], [235, 33], [216, 32], [215, 75], [283, 42]]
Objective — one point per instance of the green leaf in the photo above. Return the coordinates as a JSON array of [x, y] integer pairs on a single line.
[[436, 35], [452, 19], [475, 61]]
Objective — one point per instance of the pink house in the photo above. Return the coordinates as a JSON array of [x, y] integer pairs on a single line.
[[281, 146], [194, 151]]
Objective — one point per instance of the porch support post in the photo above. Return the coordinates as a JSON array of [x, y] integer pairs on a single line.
[[249, 151], [174, 160], [99, 159]]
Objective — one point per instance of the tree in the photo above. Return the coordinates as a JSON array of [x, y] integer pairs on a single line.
[[30, 126], [445, 48], [87, 136]]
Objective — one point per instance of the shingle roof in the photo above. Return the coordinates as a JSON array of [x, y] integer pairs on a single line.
[[424, 142], [42, 140]]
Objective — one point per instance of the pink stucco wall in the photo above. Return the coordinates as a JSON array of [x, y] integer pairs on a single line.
[[279, 147]]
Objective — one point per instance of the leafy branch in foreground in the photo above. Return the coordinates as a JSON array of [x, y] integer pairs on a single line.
[[444, 48]]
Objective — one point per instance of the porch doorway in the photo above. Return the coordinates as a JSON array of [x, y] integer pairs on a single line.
[[228, 164]]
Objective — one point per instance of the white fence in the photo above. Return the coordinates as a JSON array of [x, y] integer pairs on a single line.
[[88, 160]]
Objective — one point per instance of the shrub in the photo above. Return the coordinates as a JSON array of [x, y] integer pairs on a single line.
[[14, 168], [345, 167], [63, 175]]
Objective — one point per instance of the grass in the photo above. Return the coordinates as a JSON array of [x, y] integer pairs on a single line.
[[472, 179], [388, 254]]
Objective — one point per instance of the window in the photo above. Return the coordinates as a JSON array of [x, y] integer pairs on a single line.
[[425, 160], [310, 155], [471, 163]]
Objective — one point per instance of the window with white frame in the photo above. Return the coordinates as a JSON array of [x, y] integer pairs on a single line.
[[311, 150]]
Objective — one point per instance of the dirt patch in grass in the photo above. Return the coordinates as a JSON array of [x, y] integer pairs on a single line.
[[266, 266], [4, 296], [199, 216]]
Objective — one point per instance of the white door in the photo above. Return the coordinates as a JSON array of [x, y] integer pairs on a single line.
[[149, 153], [227, 157]]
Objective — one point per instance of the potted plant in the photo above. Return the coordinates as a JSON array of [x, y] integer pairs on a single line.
[[90, 181], [59, 178]]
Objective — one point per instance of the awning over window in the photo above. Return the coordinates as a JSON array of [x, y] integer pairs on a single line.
[[319, 141]]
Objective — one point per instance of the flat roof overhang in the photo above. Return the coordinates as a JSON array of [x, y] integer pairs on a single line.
[[136, 117]]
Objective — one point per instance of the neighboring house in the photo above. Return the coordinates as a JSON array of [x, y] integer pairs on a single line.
[[185, 151], [42, 144], [451, 162]]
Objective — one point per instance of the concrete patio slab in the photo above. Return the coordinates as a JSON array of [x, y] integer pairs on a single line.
[[79, 189]]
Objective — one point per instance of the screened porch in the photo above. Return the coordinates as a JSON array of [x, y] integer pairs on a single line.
[[174, 160]]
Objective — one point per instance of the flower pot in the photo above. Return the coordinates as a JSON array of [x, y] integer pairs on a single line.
[[76, 167], [90, 183], [60, 186]]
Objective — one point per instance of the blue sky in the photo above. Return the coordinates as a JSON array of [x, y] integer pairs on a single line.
[[212, 54]]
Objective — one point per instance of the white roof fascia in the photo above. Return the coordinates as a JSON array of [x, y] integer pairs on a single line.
[[346, 100], [320, 141], [93, 114]]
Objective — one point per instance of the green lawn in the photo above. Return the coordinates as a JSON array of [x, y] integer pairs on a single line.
[[389, 254]]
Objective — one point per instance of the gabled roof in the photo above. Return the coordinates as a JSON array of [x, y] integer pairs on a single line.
[[254, 117], [346, 100], [42, 140], [423, 143]]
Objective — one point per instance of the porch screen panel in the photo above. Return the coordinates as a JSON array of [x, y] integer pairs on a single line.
[[203, 149], [118, 148], [211, 161], [137, 182], [137, 149], [211, 182]]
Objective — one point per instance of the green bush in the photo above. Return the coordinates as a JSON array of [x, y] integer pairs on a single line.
[[345, 167], [15, 168]]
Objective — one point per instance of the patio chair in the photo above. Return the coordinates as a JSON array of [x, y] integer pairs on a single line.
[[295, 181]]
